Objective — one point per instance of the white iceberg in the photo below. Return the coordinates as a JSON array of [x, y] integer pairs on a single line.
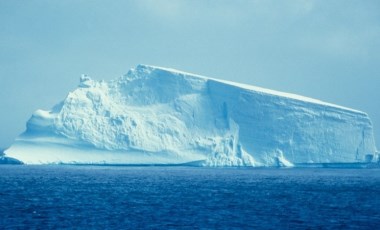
[[155, 115]]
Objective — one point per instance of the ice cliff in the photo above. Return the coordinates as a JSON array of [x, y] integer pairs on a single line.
[[154, 115]]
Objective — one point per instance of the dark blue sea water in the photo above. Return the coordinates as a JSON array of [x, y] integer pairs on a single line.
[[99, 197]]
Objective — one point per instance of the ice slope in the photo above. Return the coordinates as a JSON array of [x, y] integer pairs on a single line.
[[155, 115]]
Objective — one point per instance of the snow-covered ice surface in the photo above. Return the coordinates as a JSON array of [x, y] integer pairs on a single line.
[[154, 115]]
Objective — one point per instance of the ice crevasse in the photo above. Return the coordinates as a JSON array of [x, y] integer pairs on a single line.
[[154, 115]]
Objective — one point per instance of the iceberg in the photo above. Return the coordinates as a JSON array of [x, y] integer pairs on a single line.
[[160, 116]]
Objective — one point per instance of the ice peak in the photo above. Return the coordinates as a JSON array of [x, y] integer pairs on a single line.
[[85, 81]]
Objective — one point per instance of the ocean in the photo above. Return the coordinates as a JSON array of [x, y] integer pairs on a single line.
[[121, 197]]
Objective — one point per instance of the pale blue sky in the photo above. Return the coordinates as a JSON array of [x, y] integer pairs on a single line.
[[329, 50]]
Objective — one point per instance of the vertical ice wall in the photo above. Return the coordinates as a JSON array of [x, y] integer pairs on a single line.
[[300, 130]]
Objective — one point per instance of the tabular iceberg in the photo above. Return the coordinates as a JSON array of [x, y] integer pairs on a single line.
[[154, 115]]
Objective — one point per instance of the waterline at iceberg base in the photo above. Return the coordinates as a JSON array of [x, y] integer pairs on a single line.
[[154, 115]]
